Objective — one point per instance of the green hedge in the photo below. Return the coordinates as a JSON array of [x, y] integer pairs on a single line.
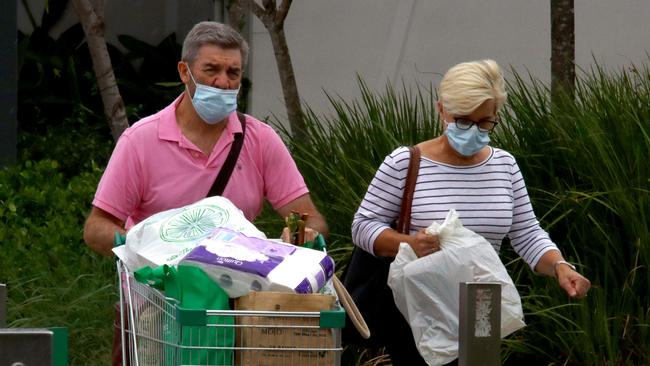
[[53, 279]]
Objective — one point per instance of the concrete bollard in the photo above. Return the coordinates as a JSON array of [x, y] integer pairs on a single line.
[[479, 338], [25, 347]]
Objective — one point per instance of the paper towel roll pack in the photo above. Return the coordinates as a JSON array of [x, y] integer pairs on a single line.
[[240, 263]]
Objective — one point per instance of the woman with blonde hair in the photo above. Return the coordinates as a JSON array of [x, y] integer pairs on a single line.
[[459, 170]]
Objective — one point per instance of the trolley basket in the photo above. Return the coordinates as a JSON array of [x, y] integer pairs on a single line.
[[156, 330]]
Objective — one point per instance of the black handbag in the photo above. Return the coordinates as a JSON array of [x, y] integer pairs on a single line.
[[365, 279]]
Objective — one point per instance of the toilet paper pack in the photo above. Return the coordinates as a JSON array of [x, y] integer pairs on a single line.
[[239, 264], [166, 237]]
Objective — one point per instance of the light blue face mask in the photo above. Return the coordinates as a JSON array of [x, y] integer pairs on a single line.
[[213, 105], [466, 142]]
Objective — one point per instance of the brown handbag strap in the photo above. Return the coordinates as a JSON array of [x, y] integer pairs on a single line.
[[223, 177], [404, 220]]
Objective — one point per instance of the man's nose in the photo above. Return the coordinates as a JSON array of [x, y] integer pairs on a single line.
[[221, 81]]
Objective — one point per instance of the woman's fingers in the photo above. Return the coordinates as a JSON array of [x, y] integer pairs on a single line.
[[575, 285], [582, 286], [425, 244]]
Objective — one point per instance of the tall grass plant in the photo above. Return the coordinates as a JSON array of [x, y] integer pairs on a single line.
[[346, 148], [585, 160]]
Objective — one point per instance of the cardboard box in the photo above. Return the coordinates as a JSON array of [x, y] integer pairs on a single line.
[[283, 336]]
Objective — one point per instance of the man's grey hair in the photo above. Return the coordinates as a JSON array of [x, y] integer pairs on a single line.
[[214, 33]]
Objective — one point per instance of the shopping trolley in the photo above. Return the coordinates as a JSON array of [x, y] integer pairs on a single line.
[[156, 330]]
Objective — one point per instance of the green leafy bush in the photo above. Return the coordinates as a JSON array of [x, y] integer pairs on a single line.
[[73, 143], [53, 279]]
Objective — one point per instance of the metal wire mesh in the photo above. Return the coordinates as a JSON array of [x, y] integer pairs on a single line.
[[153, 335]]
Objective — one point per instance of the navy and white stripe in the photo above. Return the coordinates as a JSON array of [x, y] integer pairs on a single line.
[[490, 198]]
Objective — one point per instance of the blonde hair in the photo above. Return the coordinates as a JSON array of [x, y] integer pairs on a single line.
[[467, 85]]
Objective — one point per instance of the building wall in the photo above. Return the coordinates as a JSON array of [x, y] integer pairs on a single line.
[[416, 41], [410, 41], [615, 33]]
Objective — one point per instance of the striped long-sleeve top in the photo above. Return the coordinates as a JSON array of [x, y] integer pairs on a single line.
[[490, 198]]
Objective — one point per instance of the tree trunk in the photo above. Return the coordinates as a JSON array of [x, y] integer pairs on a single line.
[[288, 81], [563, 73], [93, 25], [235, 15], [273, 19]]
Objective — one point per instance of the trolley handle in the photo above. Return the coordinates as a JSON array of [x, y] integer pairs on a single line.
[[118, 239]]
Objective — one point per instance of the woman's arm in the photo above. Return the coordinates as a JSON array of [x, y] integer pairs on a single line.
[[387, 243], [380, 207], [533, 244]]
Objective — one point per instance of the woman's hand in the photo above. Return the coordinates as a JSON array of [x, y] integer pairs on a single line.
[[424, 244], [575, 285]]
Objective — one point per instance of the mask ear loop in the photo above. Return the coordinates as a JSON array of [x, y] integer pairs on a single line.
[[190, 72]]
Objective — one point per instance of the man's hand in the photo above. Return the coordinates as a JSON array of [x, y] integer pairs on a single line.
[[310, 234], [314, 224]]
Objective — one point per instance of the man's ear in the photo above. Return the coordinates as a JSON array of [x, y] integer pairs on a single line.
[[183, 72]]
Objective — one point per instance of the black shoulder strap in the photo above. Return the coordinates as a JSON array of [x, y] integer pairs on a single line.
[[226, 170]]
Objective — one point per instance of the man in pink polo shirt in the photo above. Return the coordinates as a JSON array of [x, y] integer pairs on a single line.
[[171, 159]]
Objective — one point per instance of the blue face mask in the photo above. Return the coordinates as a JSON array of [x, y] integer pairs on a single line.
[[466, 142], [213, 104]]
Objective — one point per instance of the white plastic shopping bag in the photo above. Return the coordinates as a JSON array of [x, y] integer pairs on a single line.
[[426, 289], [166, 237]]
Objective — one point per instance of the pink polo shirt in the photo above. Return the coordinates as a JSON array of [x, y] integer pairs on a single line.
[[154, 168]]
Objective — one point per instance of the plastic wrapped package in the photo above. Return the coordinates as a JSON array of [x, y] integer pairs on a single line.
[[166, 237], [240, 264]]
